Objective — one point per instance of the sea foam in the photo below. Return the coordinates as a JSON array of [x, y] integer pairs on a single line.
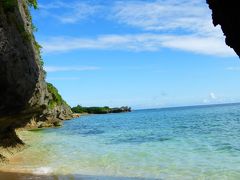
[[43, 170]]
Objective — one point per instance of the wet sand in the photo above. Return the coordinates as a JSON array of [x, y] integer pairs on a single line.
[[23, 176], [29, 176]]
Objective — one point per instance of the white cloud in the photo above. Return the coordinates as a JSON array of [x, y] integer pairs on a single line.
[[176, 24], [141, 42], [212, 96], [54, 5], [184, 24], [61, 69], [200, 45], [70, 12], [63, 78], [186, 15], [233, 68]]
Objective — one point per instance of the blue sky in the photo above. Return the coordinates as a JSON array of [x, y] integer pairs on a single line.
[[144, 54]]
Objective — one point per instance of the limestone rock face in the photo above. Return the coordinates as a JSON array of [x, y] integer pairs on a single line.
[[23, 91], [226, 14]]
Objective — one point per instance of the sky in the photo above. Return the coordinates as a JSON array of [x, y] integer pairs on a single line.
[[139, 53]]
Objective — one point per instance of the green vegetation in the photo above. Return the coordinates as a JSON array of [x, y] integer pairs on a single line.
[[9, 5], [21, 29], [33, 3], [56, 97], [99, 110], [38, 48]]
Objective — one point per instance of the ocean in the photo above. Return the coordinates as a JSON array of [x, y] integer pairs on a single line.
[[201, 142]]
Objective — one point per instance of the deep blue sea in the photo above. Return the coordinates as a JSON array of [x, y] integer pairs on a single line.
[[174, 143]]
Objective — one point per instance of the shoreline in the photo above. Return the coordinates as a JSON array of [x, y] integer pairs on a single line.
[[7, 154], [21, 175], [11, 155], [9, 168]]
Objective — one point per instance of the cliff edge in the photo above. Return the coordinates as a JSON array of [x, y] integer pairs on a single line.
[[25, 97]]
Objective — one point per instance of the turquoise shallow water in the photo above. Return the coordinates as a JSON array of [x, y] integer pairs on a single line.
[[174, 143]]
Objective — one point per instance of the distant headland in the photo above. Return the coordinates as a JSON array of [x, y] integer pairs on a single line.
[[100, 110]]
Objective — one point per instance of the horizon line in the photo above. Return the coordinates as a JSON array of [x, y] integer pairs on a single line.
[[188, 106]]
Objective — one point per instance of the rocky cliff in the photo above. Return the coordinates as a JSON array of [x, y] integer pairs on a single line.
[[226, 14], [24, 95]]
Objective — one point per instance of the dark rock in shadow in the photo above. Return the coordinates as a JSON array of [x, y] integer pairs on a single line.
[[24, 94], [226, 14]]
